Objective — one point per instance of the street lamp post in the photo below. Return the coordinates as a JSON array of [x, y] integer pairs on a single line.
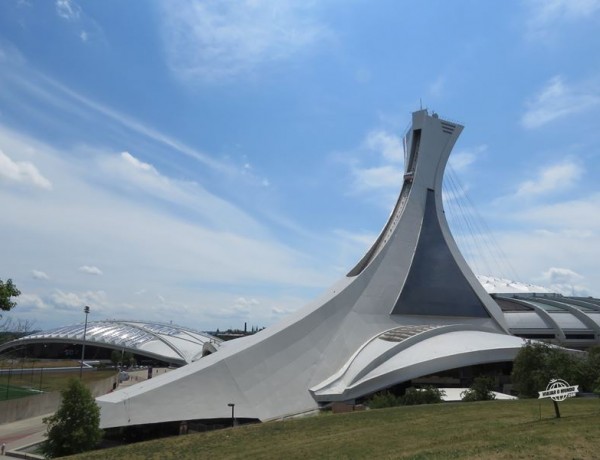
[[232, 405], [86, 310]]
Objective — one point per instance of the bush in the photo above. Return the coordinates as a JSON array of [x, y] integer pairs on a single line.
[[383, 399], [481, 390], [74, 428], [412, 397], [427, 395], [537, 363]]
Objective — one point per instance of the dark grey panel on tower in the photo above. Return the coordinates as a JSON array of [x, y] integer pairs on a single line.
[[435, 285]]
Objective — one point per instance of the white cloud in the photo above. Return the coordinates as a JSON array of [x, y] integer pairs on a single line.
[[90, 270], [579, 216], [217, 40], [73, 300], [362, 239], [387, 144], [106, 210], [137, 164], [561, 275], [551, 179], [68, 9], [378, 177], [22, 172], [39, 275], [437, 88], [461, 160], [130, 172], [565, 281], [383, 171], [31, 303], [557, 100], [546, 15]]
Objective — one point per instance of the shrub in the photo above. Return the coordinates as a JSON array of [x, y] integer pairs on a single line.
[[537, 363], [74, 428], [481, 390], [383, 399], [427, 395]]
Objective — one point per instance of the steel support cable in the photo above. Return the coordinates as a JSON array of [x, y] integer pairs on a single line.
[[474, 232], [470, 225], [491, 241], [478, 236], [460, 222]]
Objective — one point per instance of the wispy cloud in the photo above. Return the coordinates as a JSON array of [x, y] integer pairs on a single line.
[[213, 41], [127, 172], [564, 281], [39, 275], [546, 15], [436, 89], [81, 24], [74, 300], [387, 144], [556, 100], [21, 172], [90, 270], [551, 179], [22, 79], [68, 9], [106, 207], [378, 162], [462, 159], [377, 177]]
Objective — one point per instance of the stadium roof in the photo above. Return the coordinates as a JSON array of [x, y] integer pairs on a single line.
[[166, 342]]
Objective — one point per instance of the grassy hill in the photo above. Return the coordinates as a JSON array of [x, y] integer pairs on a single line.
[[490, 430]]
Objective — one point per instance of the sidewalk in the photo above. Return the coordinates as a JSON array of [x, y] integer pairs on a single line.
[[30, 431], [22, 433]]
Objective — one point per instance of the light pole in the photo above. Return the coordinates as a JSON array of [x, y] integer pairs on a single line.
[[232, 405], [86, 310]]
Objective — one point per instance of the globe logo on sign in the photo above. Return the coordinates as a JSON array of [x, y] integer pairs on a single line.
[[559, 385], [558, 390]]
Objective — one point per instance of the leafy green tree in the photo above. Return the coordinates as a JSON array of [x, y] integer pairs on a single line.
[[115, 357], [128, 359], [383, 399], [426, 395], [481, 390], [589, 370], [412, 397], [74, 428], [537, 363], [7, 291]]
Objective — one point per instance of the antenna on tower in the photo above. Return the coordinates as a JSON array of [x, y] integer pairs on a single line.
[[421, 103]]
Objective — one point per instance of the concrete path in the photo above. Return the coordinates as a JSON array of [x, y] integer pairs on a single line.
[[22, 433], [30, 431]]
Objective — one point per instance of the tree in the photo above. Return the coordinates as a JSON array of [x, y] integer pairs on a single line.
[[383, 399], [427, 395], [537, 363], [74, 428], [481, 390], [412, 397], [8, 290], [589, 370]]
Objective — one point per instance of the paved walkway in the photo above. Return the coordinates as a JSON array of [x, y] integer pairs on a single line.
[[30, 431], [22, 433]]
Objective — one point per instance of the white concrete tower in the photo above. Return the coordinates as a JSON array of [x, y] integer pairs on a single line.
[[410, 307]]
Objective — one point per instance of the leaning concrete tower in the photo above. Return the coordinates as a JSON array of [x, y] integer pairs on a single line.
[[411, 307]]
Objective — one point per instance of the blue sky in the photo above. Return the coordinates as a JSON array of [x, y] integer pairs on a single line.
[[211, 163]]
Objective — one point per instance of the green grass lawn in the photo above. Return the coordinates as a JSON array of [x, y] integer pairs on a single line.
[[15, 392], [485, 430], [21, 383]]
